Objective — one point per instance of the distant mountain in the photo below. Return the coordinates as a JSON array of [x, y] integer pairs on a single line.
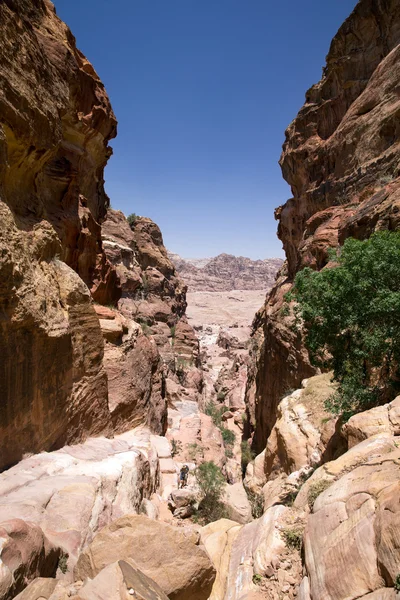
[[226, 272]]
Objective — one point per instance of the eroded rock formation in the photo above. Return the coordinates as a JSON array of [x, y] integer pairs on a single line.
[[55, 124], [226, 272], [340, 158]]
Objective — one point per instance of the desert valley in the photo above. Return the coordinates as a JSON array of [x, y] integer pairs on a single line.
[[194, 429]]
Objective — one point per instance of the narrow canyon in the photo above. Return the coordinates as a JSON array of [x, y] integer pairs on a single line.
[[123, 363]]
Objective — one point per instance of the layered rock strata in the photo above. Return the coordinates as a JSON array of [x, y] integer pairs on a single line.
[[341, 159]]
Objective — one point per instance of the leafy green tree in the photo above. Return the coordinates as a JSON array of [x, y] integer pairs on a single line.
[[351, 318]]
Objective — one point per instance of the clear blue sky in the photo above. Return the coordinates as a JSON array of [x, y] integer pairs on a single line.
[[203, 91]]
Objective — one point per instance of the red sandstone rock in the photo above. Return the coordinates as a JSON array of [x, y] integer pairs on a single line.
[[341, 159], [55, 124], [26, 554]]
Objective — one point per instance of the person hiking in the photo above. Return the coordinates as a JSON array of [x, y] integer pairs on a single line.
[[183, 476]]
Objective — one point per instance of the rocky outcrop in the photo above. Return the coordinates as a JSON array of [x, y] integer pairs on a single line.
[[55, 124], [340, 158], [72, 493], [154, 297], [226, 272], [170, 556], [25, 554]]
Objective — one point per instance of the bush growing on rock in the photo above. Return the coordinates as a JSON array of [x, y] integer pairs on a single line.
[[211, 483], [397, 583], [215, 412], [228, 438], [132, 218], [293, 537], [351, 317], [316, 490]]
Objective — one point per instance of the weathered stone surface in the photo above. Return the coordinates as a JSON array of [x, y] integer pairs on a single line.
[[354, 523], [73, 492], [254, 548], [153, 296], [181, 568], [218, 538], [26, 553], [382, 420], [121, 580], [340, 158], [303, 429], [237, 503], [55, 124]]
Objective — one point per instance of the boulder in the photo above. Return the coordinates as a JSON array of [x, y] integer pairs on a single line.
[[237, 503], [168, 555], [26, 553], [354, 522], [121, 580], [383, 420], [39, 589]]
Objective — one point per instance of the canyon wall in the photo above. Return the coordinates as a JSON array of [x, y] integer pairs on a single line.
[[55, 125], [341, 159], [73, 365]]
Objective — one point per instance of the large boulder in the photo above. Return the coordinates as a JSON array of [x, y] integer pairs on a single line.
[[383, 420], [26, 553], [237, 503], [170, 556]]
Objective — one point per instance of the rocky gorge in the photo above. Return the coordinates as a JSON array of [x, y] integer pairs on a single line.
[[113, 375]]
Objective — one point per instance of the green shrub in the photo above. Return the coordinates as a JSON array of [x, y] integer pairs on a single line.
[[211, 483], [176, 447], [63, 562], [315, 490], [351, 319], [256, 503], [228, 436], [132, 218], [257, 579], [293, 537], [194, 450], [397, 583], [247, 454], [221, 396], [215, 412]]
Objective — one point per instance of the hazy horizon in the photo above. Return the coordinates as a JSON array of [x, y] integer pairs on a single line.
[[203, 94]]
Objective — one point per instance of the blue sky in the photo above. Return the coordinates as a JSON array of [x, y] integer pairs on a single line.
[[203, 91]]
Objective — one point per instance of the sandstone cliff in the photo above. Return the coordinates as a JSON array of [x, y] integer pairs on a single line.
[[226, 272], [340, 158], [72, 367], [55, 124]]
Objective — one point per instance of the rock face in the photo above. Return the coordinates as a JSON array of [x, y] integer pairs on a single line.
[[226, 272], [340, 158], [55, 124], [70, 367], [73, 492], [154, 297]]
